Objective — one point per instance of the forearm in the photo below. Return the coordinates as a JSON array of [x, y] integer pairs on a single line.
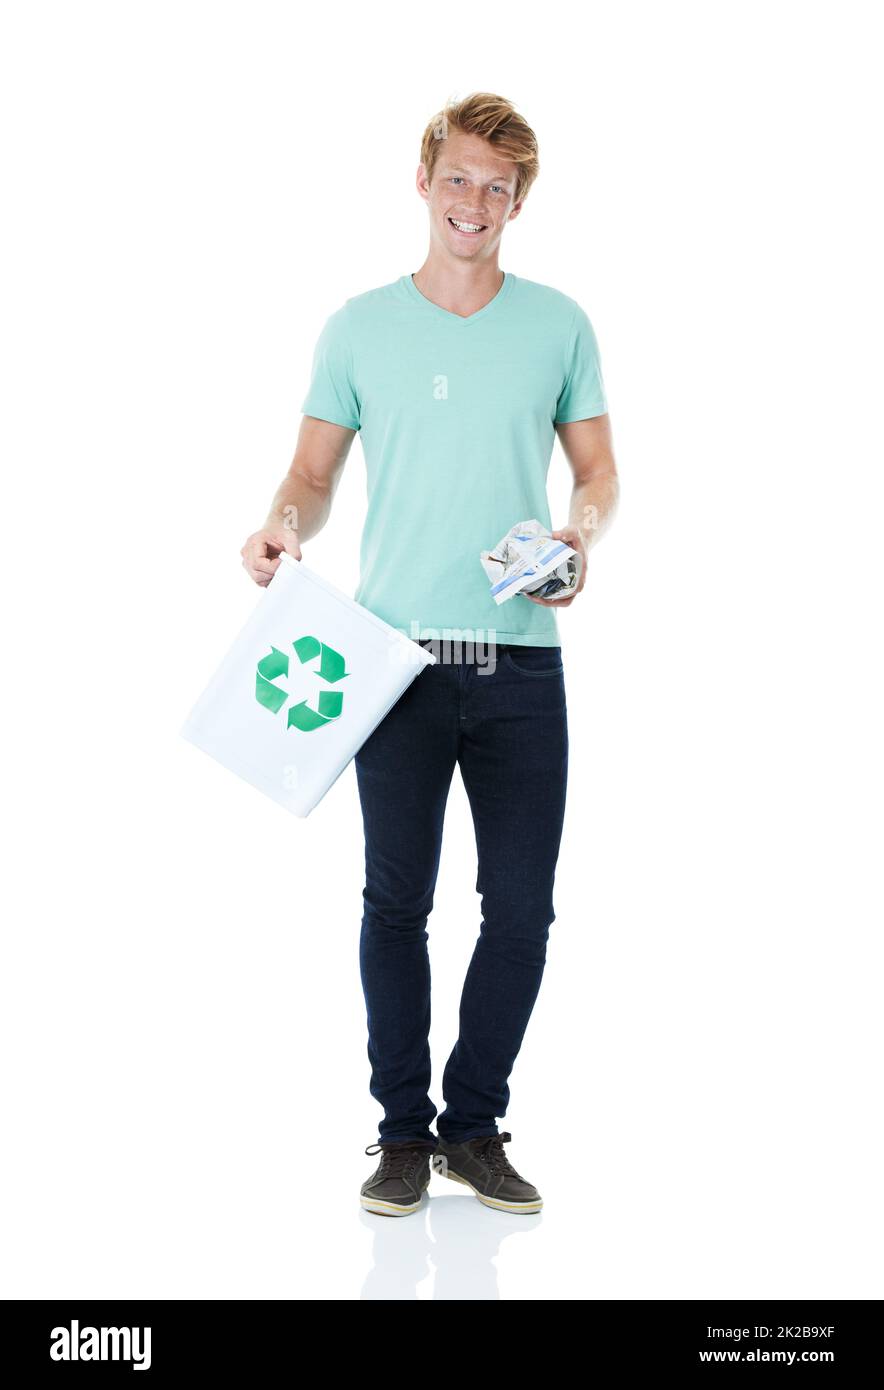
[[299, 505], [593, 504]]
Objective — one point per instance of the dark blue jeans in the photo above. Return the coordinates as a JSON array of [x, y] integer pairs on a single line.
[[500, 714]]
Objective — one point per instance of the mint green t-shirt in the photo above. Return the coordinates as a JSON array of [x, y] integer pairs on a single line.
[[456, 417]]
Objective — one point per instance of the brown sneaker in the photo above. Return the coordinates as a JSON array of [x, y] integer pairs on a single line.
[[482, 1165], [402, 1177]]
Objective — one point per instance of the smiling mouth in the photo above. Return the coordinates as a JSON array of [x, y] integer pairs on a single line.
[[467, 228]]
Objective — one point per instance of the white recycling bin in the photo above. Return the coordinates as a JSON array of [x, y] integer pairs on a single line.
[[308, 679]]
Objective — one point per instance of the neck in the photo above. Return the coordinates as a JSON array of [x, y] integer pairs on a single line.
[[461, 287]]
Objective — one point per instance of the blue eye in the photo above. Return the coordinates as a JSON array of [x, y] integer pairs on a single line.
[[455, 178]]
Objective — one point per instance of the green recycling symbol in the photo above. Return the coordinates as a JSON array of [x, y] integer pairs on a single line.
[[302, 716]]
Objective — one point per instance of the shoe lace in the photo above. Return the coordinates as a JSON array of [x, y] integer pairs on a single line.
[[399, 1159], [491, 1151]]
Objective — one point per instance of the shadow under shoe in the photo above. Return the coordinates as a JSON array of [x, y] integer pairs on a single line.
[[482, 1165], [397, 1186]]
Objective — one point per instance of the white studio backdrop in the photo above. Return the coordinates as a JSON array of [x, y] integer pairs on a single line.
[[192, 189]]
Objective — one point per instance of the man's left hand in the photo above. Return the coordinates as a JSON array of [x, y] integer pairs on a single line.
[[571, 536]]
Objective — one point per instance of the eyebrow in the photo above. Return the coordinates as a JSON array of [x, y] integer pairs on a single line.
[[456, 169]]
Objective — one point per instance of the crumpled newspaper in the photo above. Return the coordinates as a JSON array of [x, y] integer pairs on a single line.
[[528, 561]]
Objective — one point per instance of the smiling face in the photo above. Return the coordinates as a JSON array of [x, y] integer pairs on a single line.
[[470, 197]]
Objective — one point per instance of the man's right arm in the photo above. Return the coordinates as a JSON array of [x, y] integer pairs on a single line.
[[302, 504]]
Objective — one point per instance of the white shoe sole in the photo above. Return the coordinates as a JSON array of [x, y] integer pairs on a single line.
[[389, 1208], [439, 1165]]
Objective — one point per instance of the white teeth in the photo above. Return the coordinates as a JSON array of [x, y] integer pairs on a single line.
[[466, 226]]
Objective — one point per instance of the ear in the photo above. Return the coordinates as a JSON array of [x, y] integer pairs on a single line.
[[422, 183], [516, 209]]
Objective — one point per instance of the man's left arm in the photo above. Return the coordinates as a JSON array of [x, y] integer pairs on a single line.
[[590, 451]]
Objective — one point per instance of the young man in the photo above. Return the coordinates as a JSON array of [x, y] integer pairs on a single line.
[[457, 378]]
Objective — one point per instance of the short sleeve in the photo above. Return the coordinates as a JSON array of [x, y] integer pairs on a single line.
[[332, 394], [583, 390]]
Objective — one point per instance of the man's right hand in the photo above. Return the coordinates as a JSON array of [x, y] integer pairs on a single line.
[[261, 552]]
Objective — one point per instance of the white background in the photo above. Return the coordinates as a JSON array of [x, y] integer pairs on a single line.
[[190, 190]]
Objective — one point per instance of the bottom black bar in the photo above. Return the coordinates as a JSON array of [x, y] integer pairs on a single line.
[[218, 1338]]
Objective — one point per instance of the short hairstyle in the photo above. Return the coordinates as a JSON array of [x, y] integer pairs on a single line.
[[494, 119]]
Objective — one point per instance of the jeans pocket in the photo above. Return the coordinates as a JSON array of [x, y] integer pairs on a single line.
[[535, 661]]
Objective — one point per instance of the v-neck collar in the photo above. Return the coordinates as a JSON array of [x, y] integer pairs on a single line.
[[443, 314]]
